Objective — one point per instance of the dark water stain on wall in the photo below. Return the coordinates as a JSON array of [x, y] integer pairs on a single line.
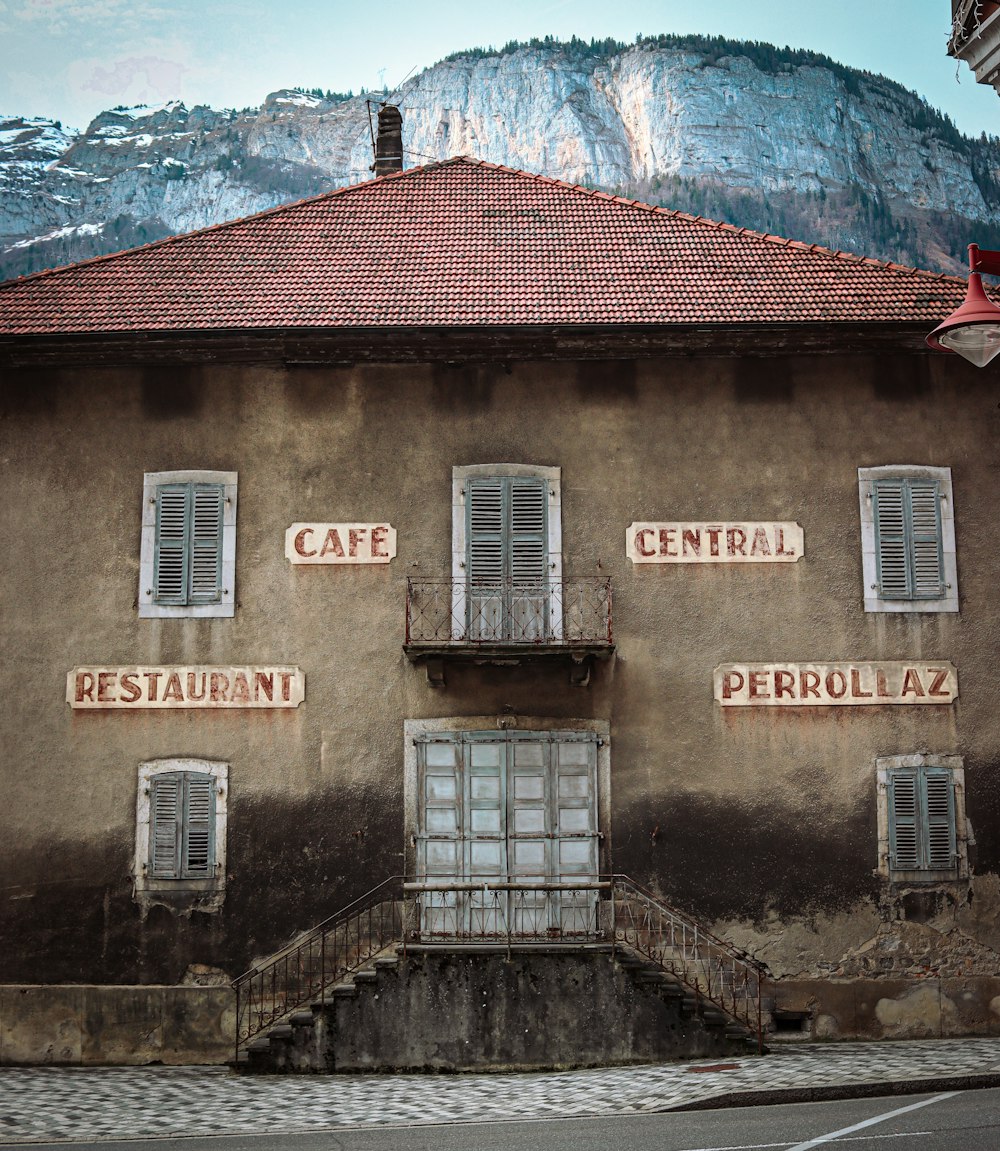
[[720, 857], [291, 862]]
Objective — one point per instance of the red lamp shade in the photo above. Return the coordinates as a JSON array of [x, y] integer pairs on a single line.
[[973, 330]]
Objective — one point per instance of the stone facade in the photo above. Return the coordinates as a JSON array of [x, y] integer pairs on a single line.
[[760, 822]]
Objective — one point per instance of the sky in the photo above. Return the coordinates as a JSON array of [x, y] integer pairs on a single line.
[[70, 59]]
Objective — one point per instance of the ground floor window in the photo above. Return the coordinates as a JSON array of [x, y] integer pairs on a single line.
[[923, 834], [180, 848]]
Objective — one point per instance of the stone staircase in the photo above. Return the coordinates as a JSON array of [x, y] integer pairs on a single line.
[[442, 1009], [370, 990]]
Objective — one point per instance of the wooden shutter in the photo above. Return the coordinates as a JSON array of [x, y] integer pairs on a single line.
[[188, 551], [921, 820], [198, 854], [486, 532], [165, 806], [925, 536], [182, 826], [939, 854], [173, 514], [206, 544], [528, 545], [904, 795], [908, 539]]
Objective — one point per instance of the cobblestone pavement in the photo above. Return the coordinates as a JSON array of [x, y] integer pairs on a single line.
[[46, 1104]]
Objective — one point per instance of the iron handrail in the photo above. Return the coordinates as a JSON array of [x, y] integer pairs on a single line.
[[714, 969], [461, 613], [302, 971]]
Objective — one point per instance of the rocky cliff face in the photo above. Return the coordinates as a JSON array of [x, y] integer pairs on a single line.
[[803, 148]]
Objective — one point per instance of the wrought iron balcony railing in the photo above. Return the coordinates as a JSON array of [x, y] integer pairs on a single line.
[[451, 614]]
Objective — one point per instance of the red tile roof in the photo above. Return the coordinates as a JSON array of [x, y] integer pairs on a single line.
[[469, 243]]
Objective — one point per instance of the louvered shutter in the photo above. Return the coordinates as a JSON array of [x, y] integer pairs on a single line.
[[206, 544], [939, 852], [904, 796], [908, 539], [925, 532], [528, 559], [173, 514], [485, 566], [165, 807], [198, 853], [188, 551], [182, 826]]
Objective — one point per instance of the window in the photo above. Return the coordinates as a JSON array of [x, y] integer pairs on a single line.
[[922, 828], [908, 539], [507, 552], [181, 831], [187, 564], [518, 808]]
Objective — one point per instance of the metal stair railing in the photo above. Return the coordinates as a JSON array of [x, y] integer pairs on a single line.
[[302, 972], [716, 971]]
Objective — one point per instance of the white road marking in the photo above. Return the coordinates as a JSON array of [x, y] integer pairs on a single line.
[[810, 1143]]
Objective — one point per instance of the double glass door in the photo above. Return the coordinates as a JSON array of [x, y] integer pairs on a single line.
[[507, 834]]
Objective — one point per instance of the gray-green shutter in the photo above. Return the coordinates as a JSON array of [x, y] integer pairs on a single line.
[[904, 808], [173, 515], [206, 544], [182, 826], [925, 538], [198, 851], [908, 541], [507, 560], [939, 803], [165, 807], [921, 820], [188, 549]]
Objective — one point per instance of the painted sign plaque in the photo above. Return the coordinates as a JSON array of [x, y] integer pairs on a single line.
[[714, 543], [340, 543], [134, 688], [835, 684]]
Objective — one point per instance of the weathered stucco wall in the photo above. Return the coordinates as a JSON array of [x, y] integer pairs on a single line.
[[762, 821], [122, 1025]]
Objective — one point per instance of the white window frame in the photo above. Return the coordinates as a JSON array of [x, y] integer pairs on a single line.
[[226, 607], [884, 765], [867, 478], [206, 893], [552, 476]]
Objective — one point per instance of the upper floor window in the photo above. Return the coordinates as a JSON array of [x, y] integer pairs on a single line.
[[922, 826], [507, 551], [187, 563], [908, 539]]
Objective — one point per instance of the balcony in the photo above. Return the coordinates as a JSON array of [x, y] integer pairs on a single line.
[[508, 623]]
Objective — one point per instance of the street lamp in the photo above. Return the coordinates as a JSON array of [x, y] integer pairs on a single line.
[[974, 329]]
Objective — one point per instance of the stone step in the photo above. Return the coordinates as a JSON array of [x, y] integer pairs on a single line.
[[361, 977], [302, 1019], [280, 1031], [387, 963], [343, 991]]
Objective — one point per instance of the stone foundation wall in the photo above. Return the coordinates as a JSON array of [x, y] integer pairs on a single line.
[[84, 1025]]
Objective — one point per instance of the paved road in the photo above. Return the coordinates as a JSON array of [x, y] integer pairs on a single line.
[[945, 1121]]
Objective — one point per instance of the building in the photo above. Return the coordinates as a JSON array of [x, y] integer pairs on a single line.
[[975, 38], [504, 536]]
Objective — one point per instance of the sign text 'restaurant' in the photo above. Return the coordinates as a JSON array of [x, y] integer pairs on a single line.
[[837, 684], [131, 688], [340, 543], [714, 543]]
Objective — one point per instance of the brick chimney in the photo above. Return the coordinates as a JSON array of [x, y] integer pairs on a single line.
[[389, 142]]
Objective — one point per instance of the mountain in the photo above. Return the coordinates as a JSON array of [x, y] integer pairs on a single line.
[[778, 140]]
